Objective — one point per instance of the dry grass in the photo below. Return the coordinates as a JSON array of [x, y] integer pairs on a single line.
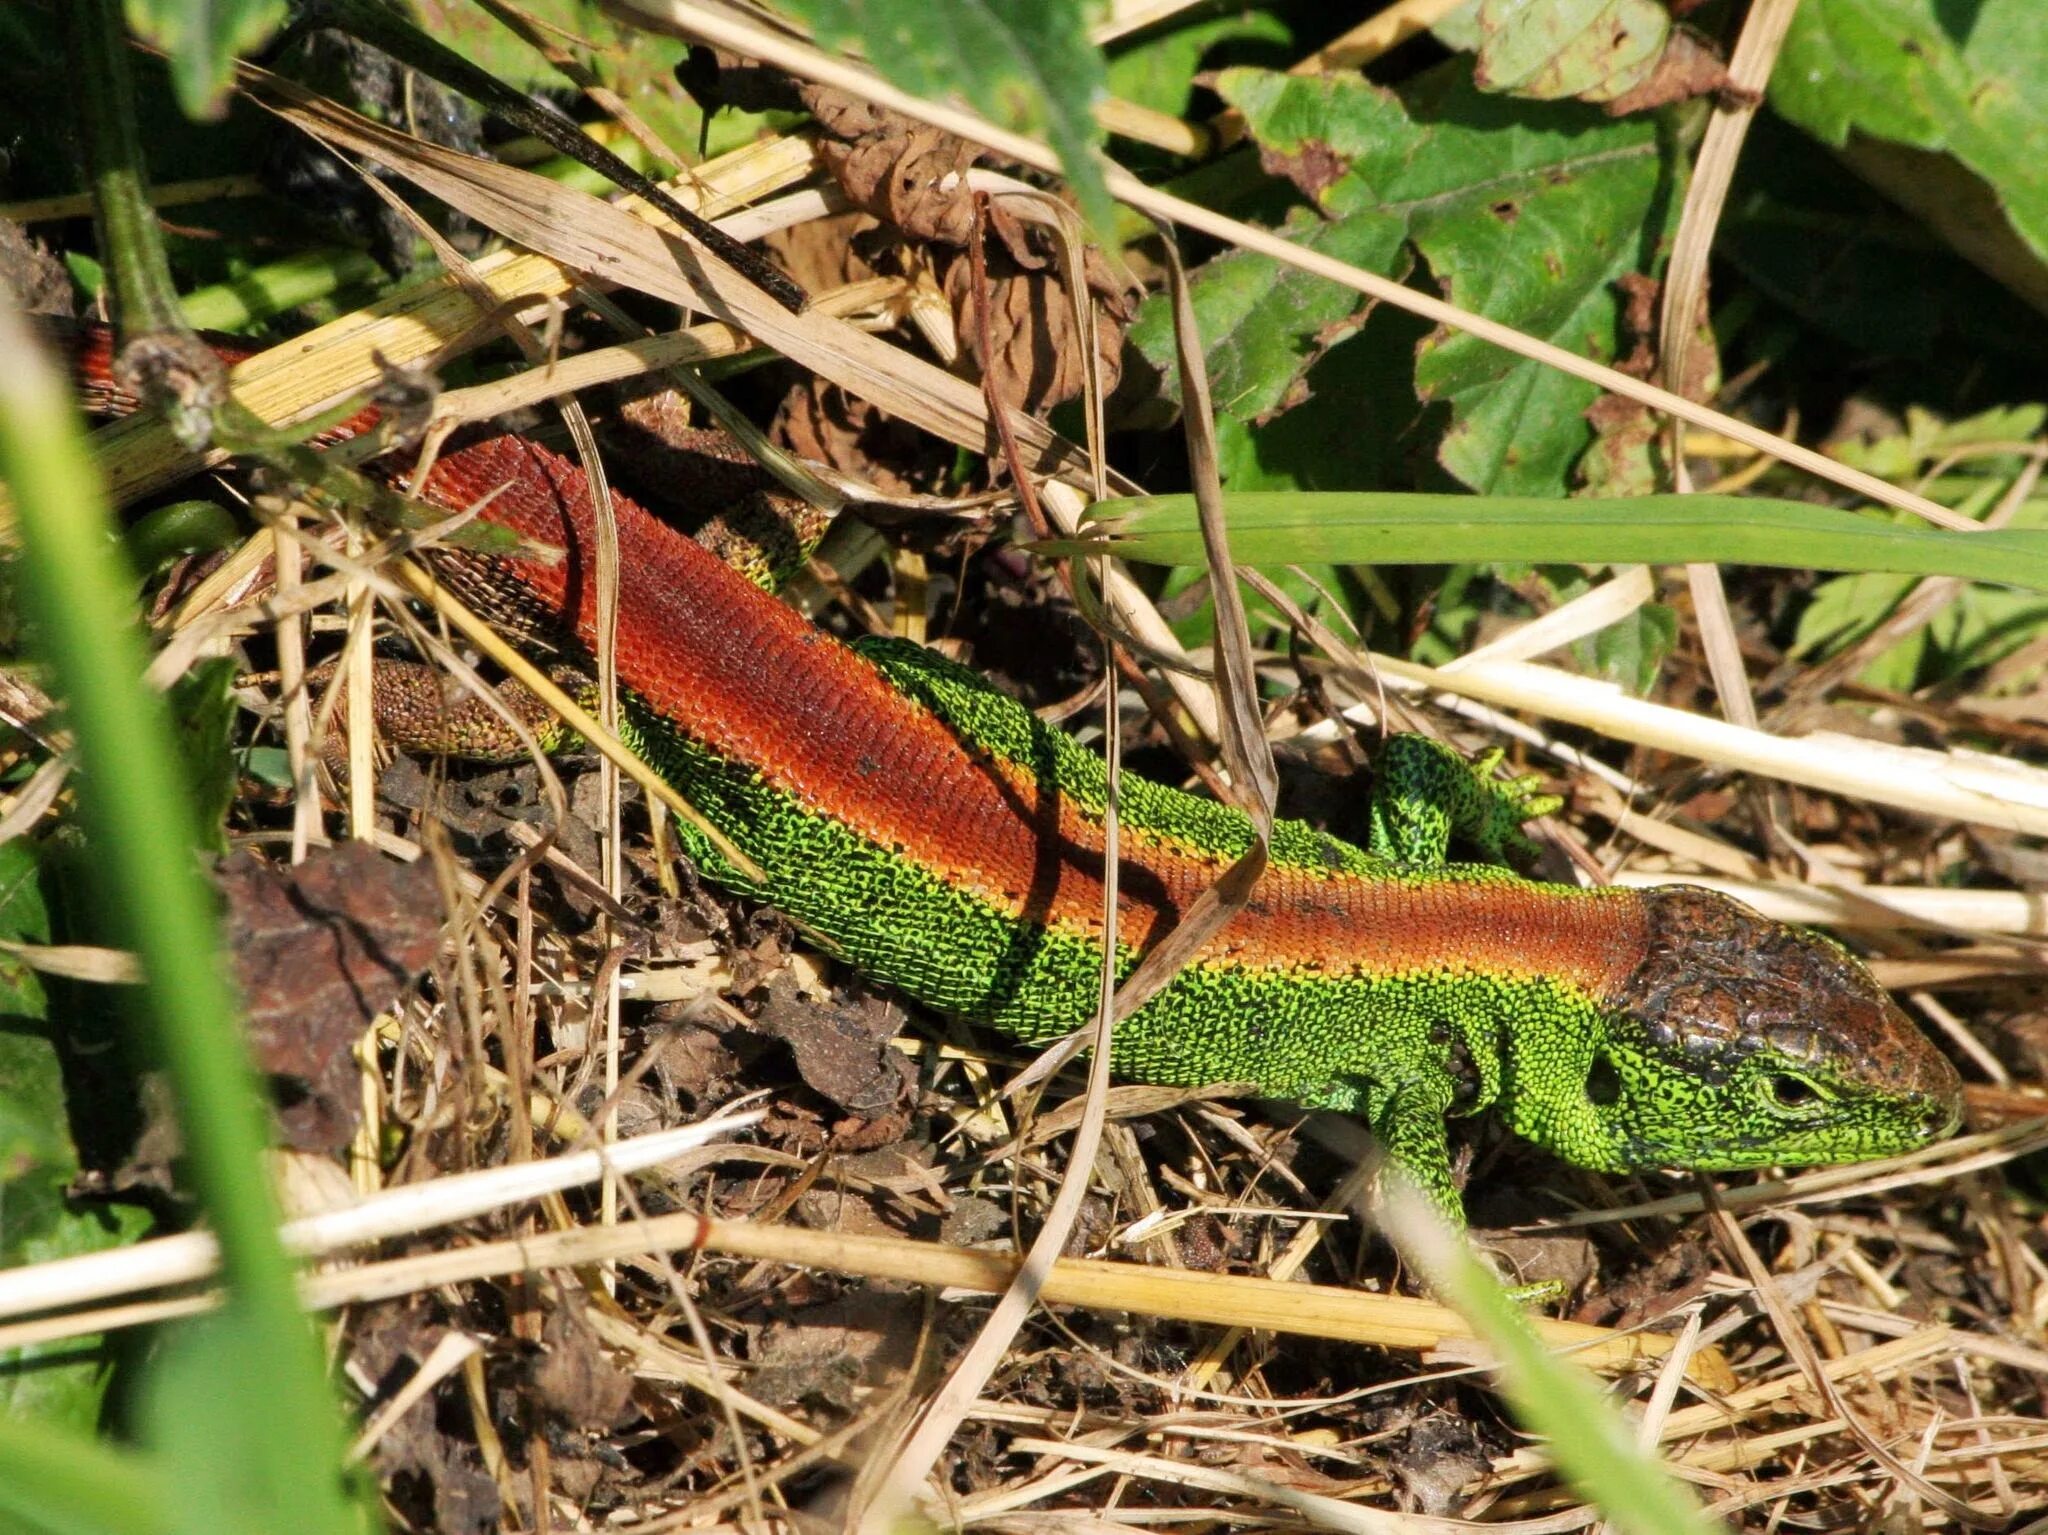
[[761, 1323]]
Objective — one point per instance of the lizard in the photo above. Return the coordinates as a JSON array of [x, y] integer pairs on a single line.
[[942, 839]]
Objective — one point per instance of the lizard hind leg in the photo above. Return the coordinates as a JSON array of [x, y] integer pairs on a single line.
[[1426, 796]]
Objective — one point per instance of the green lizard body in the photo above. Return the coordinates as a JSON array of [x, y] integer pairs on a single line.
[[941, 838], [946, 841]]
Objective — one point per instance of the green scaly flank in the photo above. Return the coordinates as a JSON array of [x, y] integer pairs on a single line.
[[1404, 1051], [1608, 1086], [1733, 1042]]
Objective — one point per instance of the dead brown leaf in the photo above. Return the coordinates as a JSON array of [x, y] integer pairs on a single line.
[[319, 951], [1038, 361], [1689, 66]]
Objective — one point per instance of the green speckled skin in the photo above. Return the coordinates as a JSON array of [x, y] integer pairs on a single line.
[[944, 840], [1405, 1050]]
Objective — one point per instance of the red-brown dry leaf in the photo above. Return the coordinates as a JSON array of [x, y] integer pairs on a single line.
[[822, 422], [1038, 360], [319, 951]]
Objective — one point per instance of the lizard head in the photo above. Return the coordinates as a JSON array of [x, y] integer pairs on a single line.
[[1741, 1042]]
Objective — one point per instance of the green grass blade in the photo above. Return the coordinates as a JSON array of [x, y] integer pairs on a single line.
[[58, 1481], [1389, 528], [138, 814], [1592, 1444]]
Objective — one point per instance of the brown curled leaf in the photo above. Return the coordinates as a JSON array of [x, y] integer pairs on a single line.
[[822, 422], [1038, 361], [902, 172], [319, 951]]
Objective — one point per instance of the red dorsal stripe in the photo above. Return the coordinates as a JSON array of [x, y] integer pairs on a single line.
[[752, 679]]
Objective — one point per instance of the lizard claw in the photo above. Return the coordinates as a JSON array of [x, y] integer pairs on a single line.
[[1507, 804]]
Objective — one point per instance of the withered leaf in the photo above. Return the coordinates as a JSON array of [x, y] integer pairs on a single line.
[[842, 1052], [1038, 361], [319, 951]]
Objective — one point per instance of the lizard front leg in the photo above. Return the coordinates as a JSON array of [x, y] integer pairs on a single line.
[[1409, 1124], [1425, 796]]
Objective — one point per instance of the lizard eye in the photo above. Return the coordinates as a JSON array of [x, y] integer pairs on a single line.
[[1794, 1094], [1603, 1083]]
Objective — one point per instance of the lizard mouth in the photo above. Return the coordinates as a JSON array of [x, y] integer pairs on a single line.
[[1944, 1116], [1895, 1131]]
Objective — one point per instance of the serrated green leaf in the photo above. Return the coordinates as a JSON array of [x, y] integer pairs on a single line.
[[1902, 455], [1968, 79], [639, 64], [1527, 215], [1026, 65], [631, 60], [1264, 325], [1349, 430], [202, 38]]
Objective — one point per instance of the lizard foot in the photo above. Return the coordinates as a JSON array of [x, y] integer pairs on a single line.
[[1507, 803]]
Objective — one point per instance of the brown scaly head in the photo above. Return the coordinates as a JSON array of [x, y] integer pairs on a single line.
[[1741, 1042]]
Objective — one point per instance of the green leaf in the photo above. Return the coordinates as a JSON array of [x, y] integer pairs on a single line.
[[202, 38], [1160, 71], [66, 1484], [1835, 253], [637, 63], [1026, 65], [1630, 653], [1901, 455], [208, 1420], [1593, 1444], [630, 60], [1393, 528], [134, 809], [1547, 50], [54, 1383], [1969, 79], [1264, 325], [1983, 623], [1527, 215], [1348, 431], [203, 709], [167, 533]]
